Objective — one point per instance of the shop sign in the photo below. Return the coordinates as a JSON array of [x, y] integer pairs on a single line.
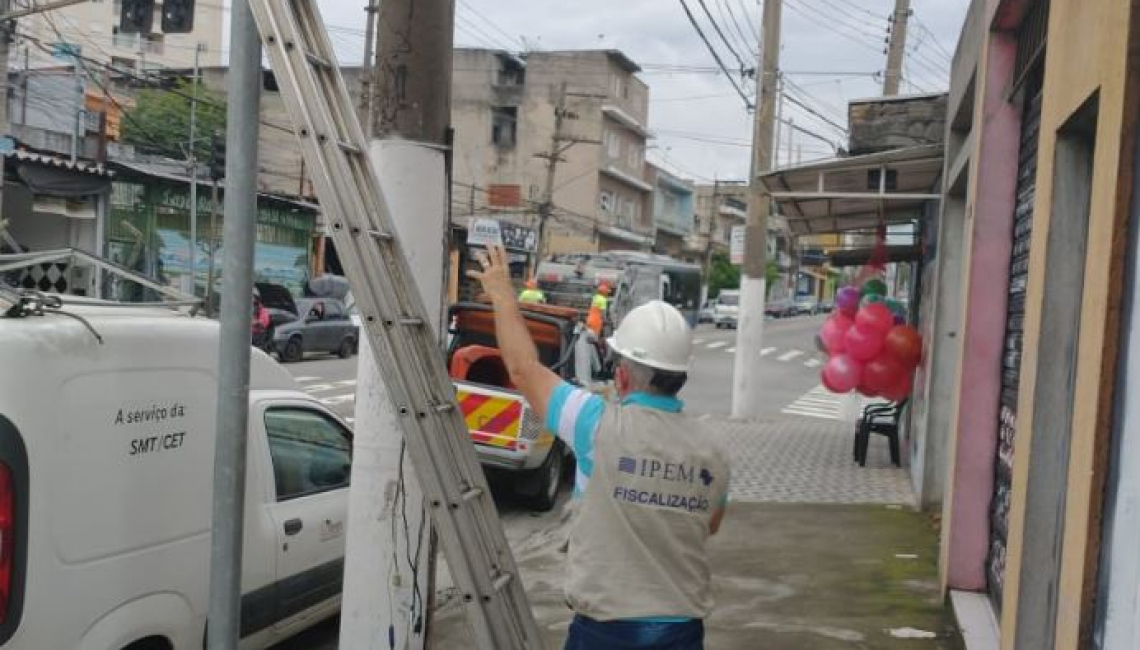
[[736, 245]]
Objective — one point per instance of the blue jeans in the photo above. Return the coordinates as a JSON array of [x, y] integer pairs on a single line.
[[588, 634]]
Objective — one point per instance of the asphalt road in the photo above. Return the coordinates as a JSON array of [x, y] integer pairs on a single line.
[[789, 372]]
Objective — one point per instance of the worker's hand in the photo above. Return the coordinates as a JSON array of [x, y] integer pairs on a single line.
[[495, 276]]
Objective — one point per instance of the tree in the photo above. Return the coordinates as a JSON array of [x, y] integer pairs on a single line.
[[722, 275], [159, 123], [771, 274]]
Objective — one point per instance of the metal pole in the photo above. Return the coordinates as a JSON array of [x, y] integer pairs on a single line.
[[6, 31], [897, 49], [79, 111], [213, 245], [194, 175], [234, 350], [746, 398]]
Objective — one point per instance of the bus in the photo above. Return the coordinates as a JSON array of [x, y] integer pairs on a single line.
[[634, 277]]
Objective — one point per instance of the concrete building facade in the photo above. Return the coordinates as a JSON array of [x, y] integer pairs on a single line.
[[1034, 339], [93, 29]]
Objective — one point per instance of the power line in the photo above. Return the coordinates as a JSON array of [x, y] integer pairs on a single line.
[[712, 50], [751, 25], [746, 44], [492, 24], [863, 16], [712, 21], [825, 22], [806, 107], [933, 37]]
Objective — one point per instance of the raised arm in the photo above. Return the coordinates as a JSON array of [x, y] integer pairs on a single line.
[[534, 380]]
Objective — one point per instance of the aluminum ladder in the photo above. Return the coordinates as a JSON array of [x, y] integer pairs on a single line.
[[395, 319]]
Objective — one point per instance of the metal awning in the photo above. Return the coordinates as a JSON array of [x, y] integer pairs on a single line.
[[862, 256], [857, 193]]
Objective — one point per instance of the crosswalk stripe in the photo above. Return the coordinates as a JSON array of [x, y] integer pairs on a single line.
[[766, 351], [346, 382], [813, 363], [306, 379], [350, 420], [717, 344], [789, 355], [698, 341], [824, 415], [730, 350], [318, 388], [338, 399]]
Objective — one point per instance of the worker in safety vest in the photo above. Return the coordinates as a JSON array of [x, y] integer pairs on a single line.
[[596, 317], [652, 483], [532, 294]]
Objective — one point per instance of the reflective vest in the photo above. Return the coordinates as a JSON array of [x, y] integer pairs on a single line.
[[599, 302], [637, 546], [532, 296]]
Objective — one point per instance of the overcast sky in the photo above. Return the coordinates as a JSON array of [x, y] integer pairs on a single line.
[[832, 51]]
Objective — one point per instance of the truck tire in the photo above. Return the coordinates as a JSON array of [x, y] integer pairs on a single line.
[[549, 481], [293, 350]]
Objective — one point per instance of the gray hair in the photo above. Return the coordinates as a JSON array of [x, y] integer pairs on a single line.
[[644, 379]]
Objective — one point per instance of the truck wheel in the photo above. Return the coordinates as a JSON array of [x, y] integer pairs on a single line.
[[549, 476], [293, 350], [347, 347]]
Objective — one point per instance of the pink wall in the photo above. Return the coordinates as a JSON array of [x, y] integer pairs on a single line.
[[997, 129]]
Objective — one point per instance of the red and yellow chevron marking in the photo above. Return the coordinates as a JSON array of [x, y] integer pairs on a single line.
[[493, 421]]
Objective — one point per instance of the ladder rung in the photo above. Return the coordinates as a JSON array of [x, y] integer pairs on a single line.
[[349, 147], [318, 60], [472, 493], [380, 234], [444, 407], [411, 322], [501, 581]]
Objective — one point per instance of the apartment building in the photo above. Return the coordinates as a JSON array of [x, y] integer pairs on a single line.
[[585, 109], [92, 29]]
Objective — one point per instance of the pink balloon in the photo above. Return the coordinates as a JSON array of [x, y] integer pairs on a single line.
[[833, 331], [863, 342], [841, 374], [847, 299], [876, 315]]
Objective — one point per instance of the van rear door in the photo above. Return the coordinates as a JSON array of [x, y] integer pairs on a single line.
[[311, 455]]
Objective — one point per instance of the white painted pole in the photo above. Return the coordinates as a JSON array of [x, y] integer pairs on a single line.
[[381, 595]]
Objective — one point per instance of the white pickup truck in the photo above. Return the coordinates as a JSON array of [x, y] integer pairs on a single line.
[[106, 464]]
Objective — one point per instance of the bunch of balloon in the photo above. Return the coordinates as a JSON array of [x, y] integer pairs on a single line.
[[870, 347]]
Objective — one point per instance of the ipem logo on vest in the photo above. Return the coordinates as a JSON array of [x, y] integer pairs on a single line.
[[677, 485]]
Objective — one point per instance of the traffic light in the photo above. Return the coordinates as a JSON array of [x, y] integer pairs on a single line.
[[136, 17], [217, 155], [177, 16]]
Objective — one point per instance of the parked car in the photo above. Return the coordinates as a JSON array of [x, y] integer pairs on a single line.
[[303, 325], [826, 306], [727, 309], [107, 437], [806, 305], [779, 307]]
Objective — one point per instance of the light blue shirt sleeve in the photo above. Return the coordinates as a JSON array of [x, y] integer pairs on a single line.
[[573, 414]]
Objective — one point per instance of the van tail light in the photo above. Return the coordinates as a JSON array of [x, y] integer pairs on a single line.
[[7, 537]]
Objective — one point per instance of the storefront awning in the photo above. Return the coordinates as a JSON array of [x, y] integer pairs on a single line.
[[857, 193], [861, 256]]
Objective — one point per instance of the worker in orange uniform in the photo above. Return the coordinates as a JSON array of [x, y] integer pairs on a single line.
[[598, 306]]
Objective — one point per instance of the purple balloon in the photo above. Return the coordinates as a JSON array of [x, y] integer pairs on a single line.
[[900, 319], [848, 298]]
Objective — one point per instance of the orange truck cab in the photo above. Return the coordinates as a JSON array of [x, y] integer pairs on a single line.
[[508, 437]]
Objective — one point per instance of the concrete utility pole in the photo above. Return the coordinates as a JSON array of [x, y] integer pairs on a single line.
[[560, 143], [388, 581], [242, 116], [746, 399], [896, 51], [6, 30]]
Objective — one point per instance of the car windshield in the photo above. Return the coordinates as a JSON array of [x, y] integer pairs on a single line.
[[728, 299]]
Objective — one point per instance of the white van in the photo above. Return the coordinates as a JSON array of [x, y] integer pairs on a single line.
[[106, 468], [726, 311]]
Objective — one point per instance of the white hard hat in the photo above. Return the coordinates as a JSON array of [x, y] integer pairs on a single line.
[[655, 335]]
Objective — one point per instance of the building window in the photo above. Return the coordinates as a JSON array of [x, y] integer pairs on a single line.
[[635, 157], [126, 41], [606, 202], [504, 125], [511, 75], [613, 144]]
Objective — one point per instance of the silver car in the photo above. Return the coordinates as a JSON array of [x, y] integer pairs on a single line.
[[312, 325]]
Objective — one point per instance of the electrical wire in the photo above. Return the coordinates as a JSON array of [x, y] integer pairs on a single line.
[[716, 27], [825, 22], [712, 50], [724, 10]]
